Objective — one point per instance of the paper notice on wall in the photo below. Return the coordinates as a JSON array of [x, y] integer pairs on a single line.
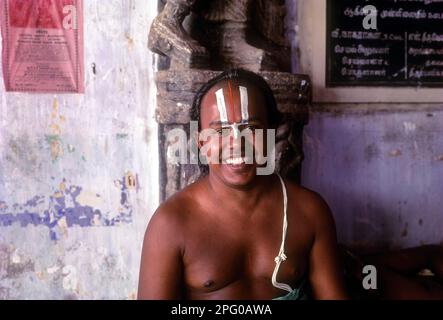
[[42, 45]]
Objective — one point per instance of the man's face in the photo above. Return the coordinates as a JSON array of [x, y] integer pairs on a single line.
[[234, 111]]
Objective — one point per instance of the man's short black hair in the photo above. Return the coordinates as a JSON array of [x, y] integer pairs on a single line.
[[240, 75]]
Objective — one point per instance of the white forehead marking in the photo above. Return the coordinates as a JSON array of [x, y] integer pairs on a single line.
[[221, 105], [244, 103], [236, 130]]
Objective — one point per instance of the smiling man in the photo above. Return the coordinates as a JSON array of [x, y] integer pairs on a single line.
[[236, 233]]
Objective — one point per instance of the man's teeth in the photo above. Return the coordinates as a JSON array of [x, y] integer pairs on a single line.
[[235, 161]]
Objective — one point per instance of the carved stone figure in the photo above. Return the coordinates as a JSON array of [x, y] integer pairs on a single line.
[[222, 34]]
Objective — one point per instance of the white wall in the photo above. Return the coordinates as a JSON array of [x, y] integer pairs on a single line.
[[64, 159]]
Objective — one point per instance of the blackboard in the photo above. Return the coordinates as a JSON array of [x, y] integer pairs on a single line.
[[406, 49]]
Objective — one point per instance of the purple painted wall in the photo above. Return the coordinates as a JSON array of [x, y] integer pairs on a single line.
[[381, 173]]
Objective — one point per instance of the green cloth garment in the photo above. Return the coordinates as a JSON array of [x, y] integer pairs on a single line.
[[296, 294]]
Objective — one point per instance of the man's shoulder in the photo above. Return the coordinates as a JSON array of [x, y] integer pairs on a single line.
[[171, 218], [310, 203], [305, 196], [179, 206]]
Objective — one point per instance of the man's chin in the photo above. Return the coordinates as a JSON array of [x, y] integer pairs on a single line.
[[238, 176]]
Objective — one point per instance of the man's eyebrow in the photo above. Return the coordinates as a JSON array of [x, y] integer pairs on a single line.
[[256, 120], [224, 123], [219, 123]]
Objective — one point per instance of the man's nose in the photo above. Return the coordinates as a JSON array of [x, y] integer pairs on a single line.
[[236, 143], [235, 132]]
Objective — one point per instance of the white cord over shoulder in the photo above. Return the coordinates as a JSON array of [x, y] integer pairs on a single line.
[[281, 254]]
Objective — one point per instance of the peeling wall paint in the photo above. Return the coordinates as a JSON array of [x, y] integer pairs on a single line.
[[66, 208], [78, 173]]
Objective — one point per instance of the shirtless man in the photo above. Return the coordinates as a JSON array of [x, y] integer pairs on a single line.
[[219, 237]]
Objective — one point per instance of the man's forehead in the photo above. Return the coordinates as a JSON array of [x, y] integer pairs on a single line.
[[231, 90], [226, 84], [233, 101]]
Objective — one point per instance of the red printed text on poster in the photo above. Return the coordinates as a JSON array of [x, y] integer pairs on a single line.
[[42, 45]]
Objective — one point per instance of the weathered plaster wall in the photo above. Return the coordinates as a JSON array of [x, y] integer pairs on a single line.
[[380, 171], [79, 173]]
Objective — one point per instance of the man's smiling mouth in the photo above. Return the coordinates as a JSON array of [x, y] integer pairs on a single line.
[[238, 160], [235, 161]]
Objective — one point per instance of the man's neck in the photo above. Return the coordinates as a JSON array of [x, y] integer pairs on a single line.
[[247, 197]]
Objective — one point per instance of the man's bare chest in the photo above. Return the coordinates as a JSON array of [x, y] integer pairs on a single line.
[[218, 255]]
